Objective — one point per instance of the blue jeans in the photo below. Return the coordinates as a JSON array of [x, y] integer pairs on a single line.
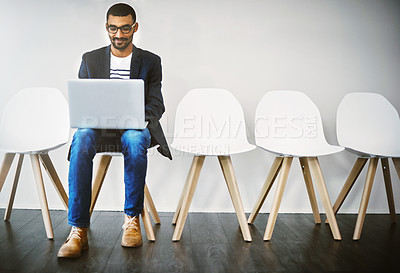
[[85, 142]]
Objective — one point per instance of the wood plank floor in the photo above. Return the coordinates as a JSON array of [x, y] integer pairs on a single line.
[[211, 242]]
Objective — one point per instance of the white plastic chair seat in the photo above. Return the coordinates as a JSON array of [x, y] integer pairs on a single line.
[[371, 153], [300, 149], [288, 123], [27, 127], [210, 122], [111, 153], [368, 125]]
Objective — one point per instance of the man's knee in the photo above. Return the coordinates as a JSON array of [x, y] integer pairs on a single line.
[[84, 139], [85, 133], [135, 140]]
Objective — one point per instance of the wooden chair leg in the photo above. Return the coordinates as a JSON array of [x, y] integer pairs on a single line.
[[150, 204], [5, 167], [193, 177], [100, 174], [147, 224], [184, 192], [227, 170], [42, 195], [389, 190], [7, 215], [51, 171], [286, 164], [273, 173], [365, 197], [396, 163], [179, 206], [319, 181], [351, 179], [310, 188]]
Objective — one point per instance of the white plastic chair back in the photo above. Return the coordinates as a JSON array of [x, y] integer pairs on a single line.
[[34, 120], [288, 123], [368, 124], [210, 122]]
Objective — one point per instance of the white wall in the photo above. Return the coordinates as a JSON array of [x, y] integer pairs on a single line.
[[325, 48]]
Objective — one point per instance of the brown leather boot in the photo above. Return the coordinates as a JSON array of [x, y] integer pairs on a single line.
[[76, 242], [131, 236]]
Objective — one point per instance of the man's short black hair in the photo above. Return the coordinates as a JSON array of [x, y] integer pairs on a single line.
[[121, 9]]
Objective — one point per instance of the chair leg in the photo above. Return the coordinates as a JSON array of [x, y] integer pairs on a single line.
[[42, 195], [310, 188], [389, 190], [286, 164], [150, 204], [319, 181], [227, 170], [100, 174], [51, 171], [179, 206], [273, 173], [351, 179], [5, 167], [192, 179], [147, 224], [365, 197], [396, 163], [184, 192], [14, 188]]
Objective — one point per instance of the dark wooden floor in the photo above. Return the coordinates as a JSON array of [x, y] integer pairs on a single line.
[[211, 242]]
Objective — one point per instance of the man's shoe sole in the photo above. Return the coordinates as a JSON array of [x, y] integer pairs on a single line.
[[84, 247], [136, 245]]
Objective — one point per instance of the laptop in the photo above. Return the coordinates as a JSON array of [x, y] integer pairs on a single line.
[[106, 103]]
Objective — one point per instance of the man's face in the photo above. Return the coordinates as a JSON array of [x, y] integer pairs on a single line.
[[119, 39]]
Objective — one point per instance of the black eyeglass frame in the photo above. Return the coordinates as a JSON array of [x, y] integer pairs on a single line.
[[121, 28]]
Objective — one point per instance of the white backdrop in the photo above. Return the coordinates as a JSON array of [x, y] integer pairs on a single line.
[[323, 48]]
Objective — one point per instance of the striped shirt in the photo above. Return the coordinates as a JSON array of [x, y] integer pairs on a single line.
[[120, 68]]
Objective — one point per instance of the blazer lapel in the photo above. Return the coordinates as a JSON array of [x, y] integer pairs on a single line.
[[105, 64], [135, 63]]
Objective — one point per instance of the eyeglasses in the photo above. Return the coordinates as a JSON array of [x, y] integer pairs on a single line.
[[125, 29]]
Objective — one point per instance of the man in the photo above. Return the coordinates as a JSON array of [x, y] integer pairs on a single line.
[[120, 60]]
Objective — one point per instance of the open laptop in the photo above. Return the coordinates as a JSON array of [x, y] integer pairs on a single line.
[[106, 104]]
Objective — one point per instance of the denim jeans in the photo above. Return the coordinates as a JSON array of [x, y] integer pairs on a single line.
[[85, 142]]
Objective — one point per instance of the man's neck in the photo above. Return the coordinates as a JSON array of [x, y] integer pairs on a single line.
[[122, 53]]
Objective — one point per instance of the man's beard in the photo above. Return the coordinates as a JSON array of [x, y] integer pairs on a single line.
[[123, 45]]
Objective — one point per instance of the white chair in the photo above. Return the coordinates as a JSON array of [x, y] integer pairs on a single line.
[[210, 122], [288, 124], [35, 121], [100, 174], [369, 126]]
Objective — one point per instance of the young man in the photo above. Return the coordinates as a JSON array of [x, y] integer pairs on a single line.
[[120, 60]]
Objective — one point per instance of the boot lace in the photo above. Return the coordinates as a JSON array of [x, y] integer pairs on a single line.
[[130, 224], [75, 233]]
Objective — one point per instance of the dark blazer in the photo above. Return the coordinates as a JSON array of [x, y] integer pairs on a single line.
[[144, 65]]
